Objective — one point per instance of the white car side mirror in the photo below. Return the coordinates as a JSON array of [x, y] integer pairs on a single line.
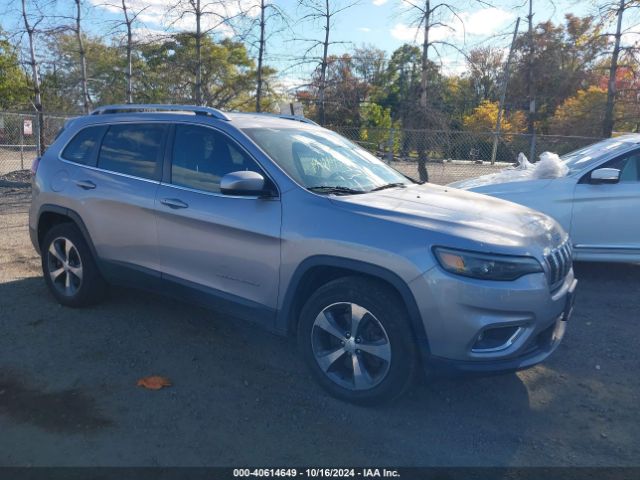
[[605, 175]]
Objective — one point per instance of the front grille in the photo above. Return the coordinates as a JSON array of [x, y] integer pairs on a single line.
[[559, 262]]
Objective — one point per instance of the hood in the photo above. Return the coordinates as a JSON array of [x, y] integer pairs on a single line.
[[476, 220], [488, 184]]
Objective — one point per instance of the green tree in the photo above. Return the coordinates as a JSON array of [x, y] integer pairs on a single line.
[[228, 73], [563, 63], [375, 126], [14, 83]]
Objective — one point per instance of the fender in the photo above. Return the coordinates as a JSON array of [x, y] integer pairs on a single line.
[[73, 216], [285, 321]]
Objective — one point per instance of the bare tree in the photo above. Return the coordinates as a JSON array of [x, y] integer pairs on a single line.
[[617, 11], [272, 15], [129, 20], [425, 17], [209, 15], [323, 12], [86, 100], [30, 28]]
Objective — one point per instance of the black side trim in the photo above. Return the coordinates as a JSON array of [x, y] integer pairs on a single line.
[[219, 301], [47, 207], [135, 276], [285, 320]]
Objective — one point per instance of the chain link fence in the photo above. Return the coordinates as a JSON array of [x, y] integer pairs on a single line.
[[454, 155], [20, 136], [450, 155]]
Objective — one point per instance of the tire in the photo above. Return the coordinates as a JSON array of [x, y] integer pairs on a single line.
[[69, 268], [382, 350]]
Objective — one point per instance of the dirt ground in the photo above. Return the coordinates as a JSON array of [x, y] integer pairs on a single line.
[[240, 396]]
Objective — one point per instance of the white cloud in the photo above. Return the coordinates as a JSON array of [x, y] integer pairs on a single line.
[[378, 3], [479, 23], [165, 14], [364, 29], [486, 21], [407, 33]]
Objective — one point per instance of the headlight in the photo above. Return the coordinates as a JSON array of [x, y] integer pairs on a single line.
[[485, 266]]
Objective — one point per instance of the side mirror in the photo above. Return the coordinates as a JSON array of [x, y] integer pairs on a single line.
[[245, 183], [605, 175]]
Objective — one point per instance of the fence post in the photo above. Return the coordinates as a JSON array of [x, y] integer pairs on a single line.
[[390, 146], [21, 123]]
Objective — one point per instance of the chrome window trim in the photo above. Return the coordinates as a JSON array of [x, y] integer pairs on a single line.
[[217, 194], [160, 182], [126, 175]]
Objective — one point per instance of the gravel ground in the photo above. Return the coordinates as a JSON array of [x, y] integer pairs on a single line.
[[240, 396]]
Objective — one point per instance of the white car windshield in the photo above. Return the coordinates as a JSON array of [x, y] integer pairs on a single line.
[[324, 161], [584, 157]]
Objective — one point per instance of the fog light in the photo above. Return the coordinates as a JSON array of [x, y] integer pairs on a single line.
[[496, 338]]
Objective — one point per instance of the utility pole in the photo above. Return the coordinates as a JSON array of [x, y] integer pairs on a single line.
[[263, 7], [503, 93], [531, 88], [607, 124]]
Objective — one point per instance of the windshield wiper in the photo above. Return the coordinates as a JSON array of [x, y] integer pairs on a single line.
[[335, 189], [388, 185]]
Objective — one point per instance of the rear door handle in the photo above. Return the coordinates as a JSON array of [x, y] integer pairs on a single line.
[[174, 203], [86, 184]]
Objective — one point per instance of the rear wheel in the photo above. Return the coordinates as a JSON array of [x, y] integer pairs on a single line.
[[69, 268], [355, 337]]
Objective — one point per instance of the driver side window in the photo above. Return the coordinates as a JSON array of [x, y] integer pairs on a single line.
[[202, 156], [629, 166]]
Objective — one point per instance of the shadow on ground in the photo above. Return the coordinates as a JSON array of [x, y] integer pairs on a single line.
[[241, 396]]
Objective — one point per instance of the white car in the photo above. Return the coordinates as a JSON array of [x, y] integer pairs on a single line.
[[597, 200]]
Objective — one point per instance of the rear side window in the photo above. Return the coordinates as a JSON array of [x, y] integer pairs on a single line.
[[82, 148], [133, 149]]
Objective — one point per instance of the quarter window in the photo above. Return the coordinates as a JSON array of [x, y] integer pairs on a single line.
[[133, 149], [202, 156], [83, 146]]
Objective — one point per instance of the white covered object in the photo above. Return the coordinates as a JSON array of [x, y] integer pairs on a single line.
[[549, 166]]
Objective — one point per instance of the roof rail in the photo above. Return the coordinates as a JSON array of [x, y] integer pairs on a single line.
[[156, 107], [298, 118]]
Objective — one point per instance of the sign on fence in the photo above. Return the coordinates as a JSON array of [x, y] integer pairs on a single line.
[[28, 127]]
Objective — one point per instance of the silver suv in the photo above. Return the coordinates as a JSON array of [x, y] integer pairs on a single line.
[[276, 220]]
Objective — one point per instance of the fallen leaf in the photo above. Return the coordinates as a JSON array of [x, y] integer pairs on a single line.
[[154, 382]]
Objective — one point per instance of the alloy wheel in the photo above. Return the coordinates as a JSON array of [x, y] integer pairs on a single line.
[[64, 266], [351, 346]]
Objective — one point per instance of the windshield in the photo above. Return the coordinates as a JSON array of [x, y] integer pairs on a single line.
[[584, 157], [321, 160]]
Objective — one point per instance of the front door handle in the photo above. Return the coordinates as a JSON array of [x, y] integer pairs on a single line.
[[86, 184], [174, 203]]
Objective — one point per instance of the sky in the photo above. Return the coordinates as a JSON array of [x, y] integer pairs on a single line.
[[385, 24]]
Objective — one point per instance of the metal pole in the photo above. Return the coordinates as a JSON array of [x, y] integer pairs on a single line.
[[503, 94], [390, 146], [531, 87], [21, 143]]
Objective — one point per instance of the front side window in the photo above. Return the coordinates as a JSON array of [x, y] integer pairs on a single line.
[[629, 166], [133, 149], [317, 158], [202, 156], [81, 148]]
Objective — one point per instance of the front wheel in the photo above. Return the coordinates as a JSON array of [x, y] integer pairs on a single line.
[[355, 337]]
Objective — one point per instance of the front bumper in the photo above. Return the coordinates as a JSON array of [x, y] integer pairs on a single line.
[[456, 311]]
